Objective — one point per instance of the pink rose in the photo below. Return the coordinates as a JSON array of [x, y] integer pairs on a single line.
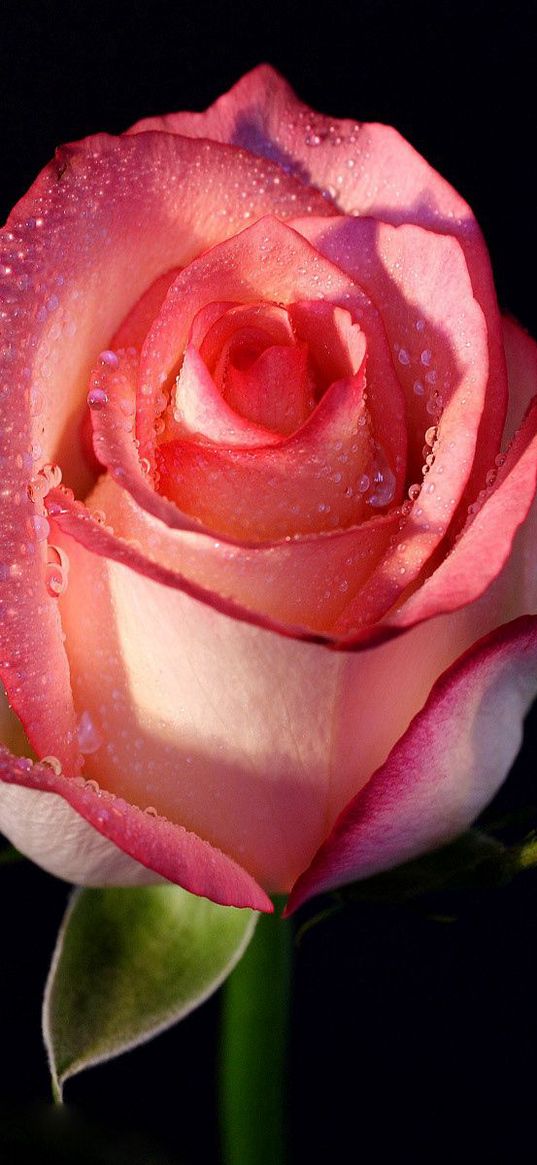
[[276, 629]]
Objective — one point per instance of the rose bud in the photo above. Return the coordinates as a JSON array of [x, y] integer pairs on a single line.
[[268, 585]]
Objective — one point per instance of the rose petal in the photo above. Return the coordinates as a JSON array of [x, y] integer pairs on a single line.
[[249, 585], [366, 170], [443, 771], [275, 391], [156, 843], [201, 410], [134, 328], [487, 544], [86, 214], [268, 262], [521, 352], [419, 278], [186, 727], [322, 477], [51, 833]]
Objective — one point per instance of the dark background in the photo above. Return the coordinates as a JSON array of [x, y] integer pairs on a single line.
[[413, 1038]]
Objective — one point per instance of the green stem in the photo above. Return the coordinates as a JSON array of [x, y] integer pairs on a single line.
[[253, 1052]]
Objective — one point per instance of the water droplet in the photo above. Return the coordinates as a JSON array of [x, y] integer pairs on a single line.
[[93, 785], [418, 388], [383, 481], [426, 356], [403, 356], [55, 579], [89, 739], [109, 358], [97, 398], [430, 435], [53, 763], [414, 491], [52, 474], [151, 811]]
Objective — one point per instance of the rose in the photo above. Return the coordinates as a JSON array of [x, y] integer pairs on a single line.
[[289, 632]]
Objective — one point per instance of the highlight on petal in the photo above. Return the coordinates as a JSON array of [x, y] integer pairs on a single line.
[[185, 734], [444, 770]]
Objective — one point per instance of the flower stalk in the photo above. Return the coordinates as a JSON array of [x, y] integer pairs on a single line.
[[254, 1046]]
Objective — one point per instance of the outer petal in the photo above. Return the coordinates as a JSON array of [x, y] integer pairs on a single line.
[[444, 770], [50, 832], [486, 544], [262, 114], [53, 835], [420, 283], [185, 729], [132, 207], [366, 170], [500, 537]]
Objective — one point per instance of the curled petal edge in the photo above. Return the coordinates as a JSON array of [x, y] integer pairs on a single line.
[[162, 846]]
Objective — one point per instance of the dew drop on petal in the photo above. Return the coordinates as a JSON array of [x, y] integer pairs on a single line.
[[97, 398], [53, 763], [89, 739], [52, 474], [109, 358], [55, 580]]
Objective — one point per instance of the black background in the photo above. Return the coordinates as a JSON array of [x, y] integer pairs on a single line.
[[413, 1039]]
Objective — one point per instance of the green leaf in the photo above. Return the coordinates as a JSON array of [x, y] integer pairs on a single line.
[[130, 962]]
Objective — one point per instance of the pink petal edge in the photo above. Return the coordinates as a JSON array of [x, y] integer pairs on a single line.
[[168, 849], [444, 770]]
